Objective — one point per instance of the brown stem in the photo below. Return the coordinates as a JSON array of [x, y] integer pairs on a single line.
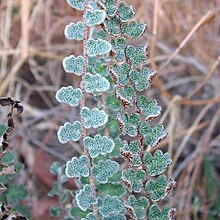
[[154, 37], [82, 104]]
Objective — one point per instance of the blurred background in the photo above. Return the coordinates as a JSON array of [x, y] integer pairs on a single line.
[[184, 39]]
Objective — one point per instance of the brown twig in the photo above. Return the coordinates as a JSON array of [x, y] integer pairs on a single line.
[[181, 134], [6, 37], [189, 133], [154, 37], [186, 101], [202, 149], [196, 90], [204, 20], [25, 7]]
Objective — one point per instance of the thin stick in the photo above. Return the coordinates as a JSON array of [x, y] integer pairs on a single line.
[[6, 37], [171, 131], [214, 66], [171, 104], [154, 37], [185, 101], [205, 19], [158, 82], [25, 7], [9, 52], [11, 74], [25, 46], [181, 134], [201, 150], [189, 133]]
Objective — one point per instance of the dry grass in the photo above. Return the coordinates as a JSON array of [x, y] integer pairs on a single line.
[[184, 39]]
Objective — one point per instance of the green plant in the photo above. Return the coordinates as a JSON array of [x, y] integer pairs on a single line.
[[11, 194], [114, 75]]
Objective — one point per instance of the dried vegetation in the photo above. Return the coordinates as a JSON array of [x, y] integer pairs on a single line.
[[184, 40]]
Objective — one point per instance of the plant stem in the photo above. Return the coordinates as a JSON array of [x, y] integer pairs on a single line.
[[82, 104]]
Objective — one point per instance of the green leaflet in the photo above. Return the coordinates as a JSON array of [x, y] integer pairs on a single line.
[[96, 83], [24, 210], [93, 5], [133, 146], [157, 163], [75, 31], [94, 17], [131, 152], [63, 197], [149, 108], [128, 124], [125, 12], [112, 102], [74, 64], [111, 189], [69, 132], [93, 118], [165, 214], [95, 34], [90, 216], [133, 180], [85, 198], [55, 211], [104, 170], [143, 79], [77, 167], [97, 47], [9, 158], [111, 205], [100, 68], [102, 35], [119, 47], [160, 188], [110, 7], [133, 30], [138, 206], [69, 95], [112, 26], [15, 193], [77, 212], [77, 4], [116, 178], [116, 151], [120, 73], [55, 190], [152, 136], [99, 145], [137, 56], [54, 168], [126, 96], [113, 127]]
